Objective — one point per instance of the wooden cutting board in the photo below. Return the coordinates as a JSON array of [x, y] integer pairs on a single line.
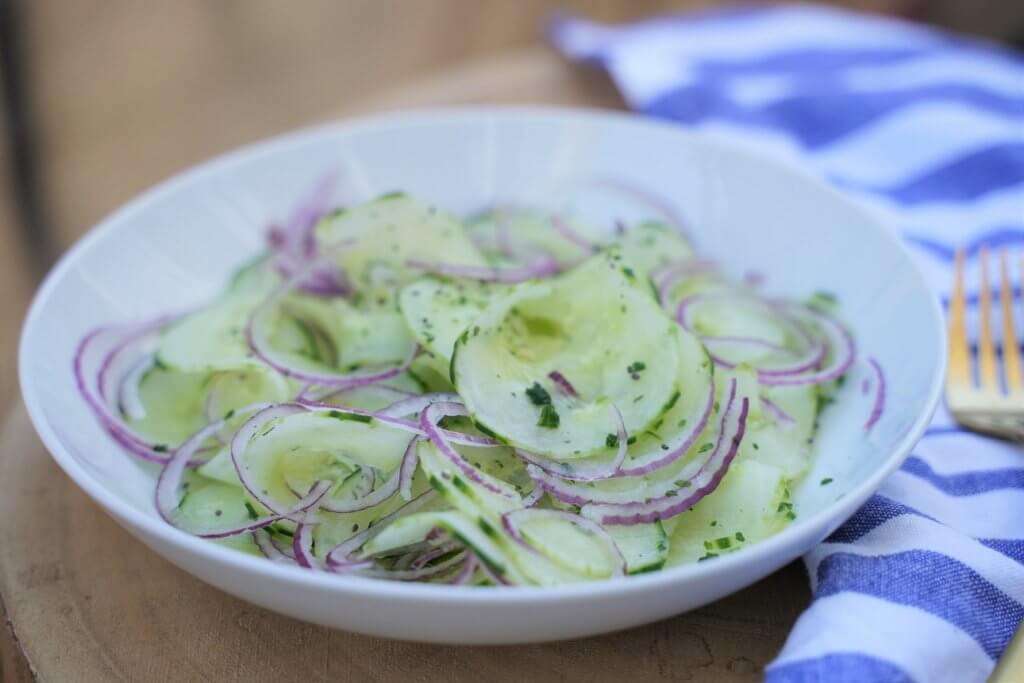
[[86, 602]]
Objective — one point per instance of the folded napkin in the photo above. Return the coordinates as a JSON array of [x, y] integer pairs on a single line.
[[926, 582]]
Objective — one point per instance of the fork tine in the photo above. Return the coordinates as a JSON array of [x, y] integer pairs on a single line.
[[958, 374], [988, 377], [1011, 354]]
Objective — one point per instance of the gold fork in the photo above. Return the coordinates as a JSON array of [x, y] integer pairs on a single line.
[[985, 406]]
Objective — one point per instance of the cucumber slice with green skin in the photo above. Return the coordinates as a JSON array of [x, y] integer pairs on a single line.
[[644, 546], [387, 233], [749, 505], [438, 310], [599, 327], [650, 246]]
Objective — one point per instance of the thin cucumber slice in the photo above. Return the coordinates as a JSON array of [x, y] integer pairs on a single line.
[[568, 546], [510, 234], [652, 245], [783, 439], [290, 454], [599, 327], [438, 310], [389, 232], [174, 405], [749, 505], [208, 506], [645, 546]]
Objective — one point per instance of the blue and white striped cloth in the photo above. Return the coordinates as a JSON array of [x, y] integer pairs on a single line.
[[926, 582]]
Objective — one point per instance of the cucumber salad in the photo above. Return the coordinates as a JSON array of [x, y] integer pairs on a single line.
[[513, 398]]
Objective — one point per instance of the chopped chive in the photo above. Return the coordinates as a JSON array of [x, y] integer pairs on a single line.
[[826, 481]]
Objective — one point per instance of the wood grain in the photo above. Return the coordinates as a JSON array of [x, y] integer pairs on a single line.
[[89, 603]]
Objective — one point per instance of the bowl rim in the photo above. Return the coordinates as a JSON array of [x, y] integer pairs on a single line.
[[177, 541]]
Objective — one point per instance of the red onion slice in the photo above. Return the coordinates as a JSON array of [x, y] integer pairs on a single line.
[[585, 469], [562, 384], [302, 544], [465, 575], [168, 482], [294, 242], [433, 553], [810, 358], [414, 405], [842, 351], [533, 498], [114, 425], [240, 442], [806, 369], [265, 542], [878, 406], [429, 418], [638, 462], [781, 417], [512, 522], [420, 573], [577, 493], [705, 481], [400, 480], [260, 344], [668, 276], [388, 416]]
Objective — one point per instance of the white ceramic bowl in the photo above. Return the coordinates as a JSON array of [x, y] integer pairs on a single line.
[[176, 244]]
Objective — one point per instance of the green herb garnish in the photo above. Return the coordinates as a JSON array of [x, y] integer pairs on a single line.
[[549, 418], [538, 395]]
